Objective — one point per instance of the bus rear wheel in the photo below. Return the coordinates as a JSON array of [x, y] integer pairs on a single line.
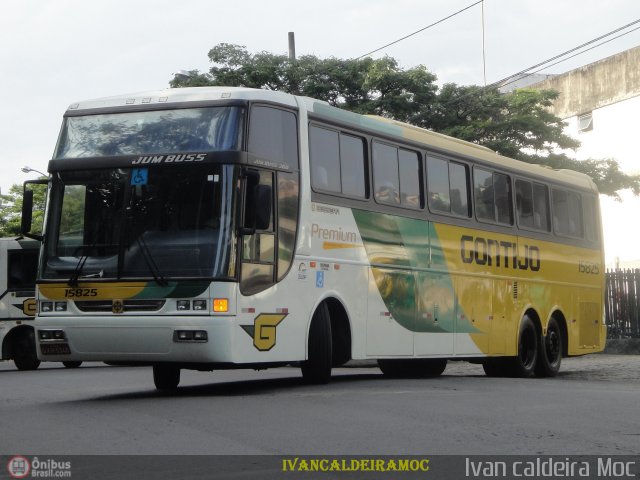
[[550, 351], [165, 377], [317, 368], [524, 364], [412, 367], [24, 351]]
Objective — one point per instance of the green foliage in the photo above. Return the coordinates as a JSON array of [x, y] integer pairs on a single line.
[[516, 125], [11, 210]]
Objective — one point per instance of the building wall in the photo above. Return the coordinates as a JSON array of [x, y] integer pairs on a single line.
[[613, 79], [614, 134]]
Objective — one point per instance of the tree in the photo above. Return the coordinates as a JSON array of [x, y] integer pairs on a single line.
[[11, 210], [516, 124]]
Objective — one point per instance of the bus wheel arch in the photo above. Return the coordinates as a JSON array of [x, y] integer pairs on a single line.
[[340, 331]]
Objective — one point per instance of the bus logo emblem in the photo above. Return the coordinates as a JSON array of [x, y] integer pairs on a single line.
[[117, 306], [263, 330]]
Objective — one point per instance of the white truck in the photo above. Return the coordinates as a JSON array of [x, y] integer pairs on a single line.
[[18, 265]]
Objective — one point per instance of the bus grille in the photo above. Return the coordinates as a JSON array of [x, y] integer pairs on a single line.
[[128, 305]]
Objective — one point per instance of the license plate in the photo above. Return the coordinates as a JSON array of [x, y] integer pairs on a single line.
[[55, 349]]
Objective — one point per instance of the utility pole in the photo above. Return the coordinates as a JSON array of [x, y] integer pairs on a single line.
[[292, 46]]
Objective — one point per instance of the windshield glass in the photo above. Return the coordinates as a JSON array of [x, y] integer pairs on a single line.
[[164, 131], [145, 223]]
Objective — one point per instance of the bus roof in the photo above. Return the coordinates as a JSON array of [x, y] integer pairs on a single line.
[[184, 95], [380, 125]]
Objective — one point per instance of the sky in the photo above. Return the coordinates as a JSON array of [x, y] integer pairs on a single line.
[[56, 52]]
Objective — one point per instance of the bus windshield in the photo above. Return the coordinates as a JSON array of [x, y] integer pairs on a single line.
[[210, 129], [156, 223]]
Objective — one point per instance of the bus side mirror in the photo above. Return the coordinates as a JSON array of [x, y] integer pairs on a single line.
[[26, 223], [27, 211], [257, 205]]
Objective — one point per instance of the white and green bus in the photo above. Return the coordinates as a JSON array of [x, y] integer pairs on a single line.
[[212, 228]]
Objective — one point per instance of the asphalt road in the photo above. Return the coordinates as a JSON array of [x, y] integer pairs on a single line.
[[591, 408]]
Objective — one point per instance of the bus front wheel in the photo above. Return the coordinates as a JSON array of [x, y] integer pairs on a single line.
[[317, 368], [165, 377], [24, 351]]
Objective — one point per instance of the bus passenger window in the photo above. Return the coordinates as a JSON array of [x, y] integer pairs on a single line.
[[352, 166], [590, 219], [567, 213], [575, 215], [483, 192], [385, 174], [540, 207], [438, 185], [524, 204], [459, 189], [337, 162], [504, 208], [324, 151], [409, 167], [448, 187]]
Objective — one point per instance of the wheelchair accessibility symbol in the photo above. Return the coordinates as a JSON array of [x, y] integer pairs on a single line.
[[139, 176]]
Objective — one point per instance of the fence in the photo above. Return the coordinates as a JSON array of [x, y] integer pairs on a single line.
[[622, 303]]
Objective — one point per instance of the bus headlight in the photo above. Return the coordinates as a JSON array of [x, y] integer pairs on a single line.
[[200, 305], [183, 305], [46, 307]]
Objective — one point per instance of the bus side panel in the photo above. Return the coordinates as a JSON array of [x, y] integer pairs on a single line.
[[273, 325]]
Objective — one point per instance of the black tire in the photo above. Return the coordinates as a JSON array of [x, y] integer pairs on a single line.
[[496, 367], [25, 355], [413, 367], [550, 351], [166, 378], [524, 364], [70, 364], [317, 368]]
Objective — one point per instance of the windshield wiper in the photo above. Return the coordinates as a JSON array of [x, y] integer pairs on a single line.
[[73, 280], [75, 276], [153, 267]]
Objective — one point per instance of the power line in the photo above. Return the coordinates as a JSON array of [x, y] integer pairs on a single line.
[[544, 65], [565, 59], [418, 31], [526, 70]]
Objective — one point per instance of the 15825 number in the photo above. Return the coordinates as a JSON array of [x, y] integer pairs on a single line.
[[80, 292]]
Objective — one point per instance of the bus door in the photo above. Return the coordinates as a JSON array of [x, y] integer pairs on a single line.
[[436, 316], [390, 323]]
